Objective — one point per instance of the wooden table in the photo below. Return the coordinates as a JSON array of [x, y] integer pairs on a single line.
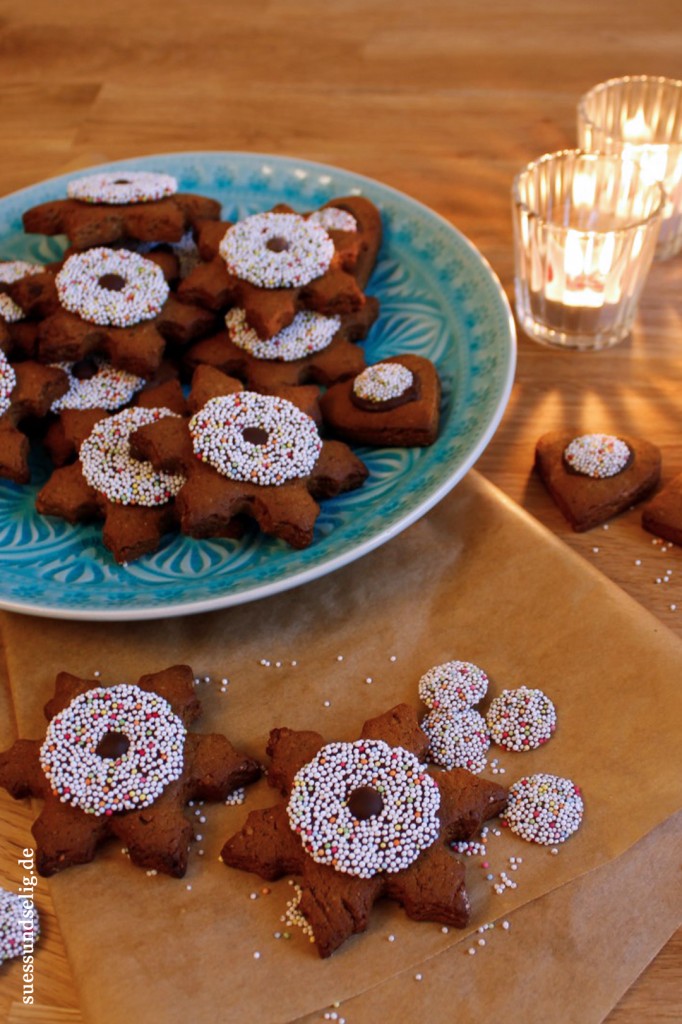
[[441, 99]]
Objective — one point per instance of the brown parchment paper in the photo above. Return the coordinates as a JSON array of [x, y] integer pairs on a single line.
[[476, 579]]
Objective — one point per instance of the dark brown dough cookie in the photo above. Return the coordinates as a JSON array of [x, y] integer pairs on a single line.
[[663, 514], [35, 390], [337, 903], [587, 501], [340, 359], [338, 291], [156, 835], [90, 224], [209, 501], [413, 422]]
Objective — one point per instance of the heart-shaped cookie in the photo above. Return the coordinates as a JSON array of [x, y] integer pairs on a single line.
[[600, 476]]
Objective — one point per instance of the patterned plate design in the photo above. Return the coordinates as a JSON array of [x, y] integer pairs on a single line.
[[438, 297]]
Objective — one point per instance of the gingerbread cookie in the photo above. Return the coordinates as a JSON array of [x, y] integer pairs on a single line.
[[27, 293], [118, 761], [361, 821], [135, 501], [312, 348], [246, 454], [111, 206], [593, 477], [663, 515], [118, 304], [273, 265], [394, 403], [27, 390]]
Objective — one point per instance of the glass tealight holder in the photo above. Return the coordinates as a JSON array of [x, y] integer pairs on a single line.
[[640, 117], [585, 229]]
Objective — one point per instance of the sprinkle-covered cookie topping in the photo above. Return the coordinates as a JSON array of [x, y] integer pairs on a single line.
[[10, 271], [597, 455], [307, 333], [331, 218], [95, 384], [457, 740], [111, 287], [113, 748], [521, 719], [544, 809], [109, 467], [18, 920], [8, 379], [453, 686], [255, 438], [277, 250], [382, 382], [365, 807], [119, 188]]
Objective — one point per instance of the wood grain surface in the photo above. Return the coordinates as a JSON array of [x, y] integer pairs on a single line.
[[443, 99]]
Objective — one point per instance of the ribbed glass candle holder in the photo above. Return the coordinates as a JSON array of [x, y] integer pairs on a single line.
[[640, 117], [585, 230]]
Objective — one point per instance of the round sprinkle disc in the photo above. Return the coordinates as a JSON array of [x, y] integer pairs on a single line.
[[19, 925], [109, 467], [453, 686], [392, 829], [84, 767], [107, 388], [255, 438], [333, 219], [521, 719], [112, 287], [122, 187], [544, 809], [307, 333], [383, 381], [597, 455], [277, 250], [457, 740], [8, 379]]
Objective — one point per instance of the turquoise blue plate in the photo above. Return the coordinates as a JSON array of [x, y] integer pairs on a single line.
[[439, 298]]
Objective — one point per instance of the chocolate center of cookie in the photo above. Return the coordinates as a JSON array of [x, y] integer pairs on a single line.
[[365, 802], [112, 282], [277, 244], [112, 745], [255, 435], [84, 369]]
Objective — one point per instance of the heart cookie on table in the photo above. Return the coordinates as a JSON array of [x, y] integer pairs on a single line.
[[593, 477], [119, 761], [394, 403], [662, 516]]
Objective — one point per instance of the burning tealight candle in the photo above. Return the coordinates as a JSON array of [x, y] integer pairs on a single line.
[[640, 118], [585, 228]]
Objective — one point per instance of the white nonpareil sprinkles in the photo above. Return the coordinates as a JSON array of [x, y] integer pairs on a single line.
[[334, 219], [453, 686], [597, 455], [113, 748], [544, 809], [109, 467], [8, 380], [122, 187], [382, 382], [19, 924], [258, 439], [96, 384], [365, 807], [521, 719], [457, 740], [307, 333], [112, 287], [10, 271], [277, 250]]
